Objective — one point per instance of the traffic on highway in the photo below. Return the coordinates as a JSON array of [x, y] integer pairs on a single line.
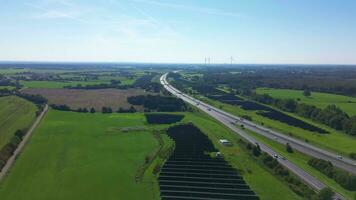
[[233, 122]]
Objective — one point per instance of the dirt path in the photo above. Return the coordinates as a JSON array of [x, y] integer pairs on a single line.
[[12, 159]]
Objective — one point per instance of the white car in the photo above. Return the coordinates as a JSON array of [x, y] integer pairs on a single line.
[[340, 157]]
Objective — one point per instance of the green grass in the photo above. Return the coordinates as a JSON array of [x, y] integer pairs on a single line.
[[301, 160], [82, 156], [320, 100], [15, 113], [88, 156], [335, 141]]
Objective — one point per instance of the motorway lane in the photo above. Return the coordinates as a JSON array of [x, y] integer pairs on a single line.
[[231, 122], [343, 163]]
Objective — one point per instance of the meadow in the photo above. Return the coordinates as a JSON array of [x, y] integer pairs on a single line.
[[318, 99], [15, 113], [97, 156]]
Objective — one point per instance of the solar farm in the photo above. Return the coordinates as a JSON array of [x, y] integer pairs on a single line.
[[191, 173]]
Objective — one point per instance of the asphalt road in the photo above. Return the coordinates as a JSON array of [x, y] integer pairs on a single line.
[[232, 121]]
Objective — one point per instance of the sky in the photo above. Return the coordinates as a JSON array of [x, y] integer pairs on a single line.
[[179, 31]]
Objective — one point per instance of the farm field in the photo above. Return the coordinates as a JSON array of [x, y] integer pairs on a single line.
[[321, 100], [93, 156], [81, 98], [83, 156], [334, 140], [15, 113]]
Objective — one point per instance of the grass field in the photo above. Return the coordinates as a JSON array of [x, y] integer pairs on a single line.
[[89, 156], [82, 156], [321, 100], [15, 113], [80, 98], [335, 141]]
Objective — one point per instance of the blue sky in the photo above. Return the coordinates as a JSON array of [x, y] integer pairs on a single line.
[[251, 31]]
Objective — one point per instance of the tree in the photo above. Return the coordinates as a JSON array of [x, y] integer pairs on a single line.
[[307, 93], [289, 148], [256, 150], [92, 110], [325, 194]]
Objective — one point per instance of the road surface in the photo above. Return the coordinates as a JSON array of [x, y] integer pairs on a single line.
[[12, 159], [231, 121]]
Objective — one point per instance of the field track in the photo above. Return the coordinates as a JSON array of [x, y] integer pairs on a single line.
[[12, 159]]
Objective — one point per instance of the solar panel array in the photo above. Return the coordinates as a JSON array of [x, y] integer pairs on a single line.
[[190, 173]]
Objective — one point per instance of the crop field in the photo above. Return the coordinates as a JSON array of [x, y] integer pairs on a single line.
[[15, 113], [80, 98], [321, 100]]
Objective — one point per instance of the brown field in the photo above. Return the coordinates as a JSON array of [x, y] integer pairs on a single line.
[[77, 98]]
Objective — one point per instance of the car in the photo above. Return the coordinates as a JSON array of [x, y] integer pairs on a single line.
[[209, 109], [340, 157], [275, 155]]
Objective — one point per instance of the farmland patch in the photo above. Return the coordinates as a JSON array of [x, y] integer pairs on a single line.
[[76, 98]]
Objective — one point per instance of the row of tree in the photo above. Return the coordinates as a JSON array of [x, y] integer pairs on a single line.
[[280, 171], [8, 150], [104, 109], [343, 178], [331, 115]]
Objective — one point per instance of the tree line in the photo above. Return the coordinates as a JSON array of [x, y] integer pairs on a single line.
[[8, 150], [331, 116], [104, 109], [343, 178], [293, 182]]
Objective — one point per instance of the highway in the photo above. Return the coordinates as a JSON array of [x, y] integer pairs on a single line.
[[232, 121]]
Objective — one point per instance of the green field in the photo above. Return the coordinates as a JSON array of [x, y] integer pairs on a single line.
[[93, 156], [15, 113], [321, 100]]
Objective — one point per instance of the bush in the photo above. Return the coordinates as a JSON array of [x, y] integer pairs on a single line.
[[325, 194], [289, 148], [343, 178], [106, 110]]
